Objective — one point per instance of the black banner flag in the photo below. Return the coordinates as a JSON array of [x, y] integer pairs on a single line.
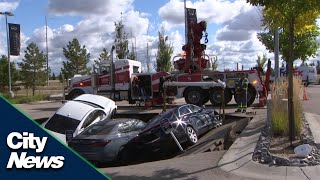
[[191, 21], [14, 36]]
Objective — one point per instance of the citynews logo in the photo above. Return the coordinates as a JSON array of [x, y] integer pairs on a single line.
[[25, 141]]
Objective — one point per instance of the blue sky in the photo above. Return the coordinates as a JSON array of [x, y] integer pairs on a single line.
[[232, 26]]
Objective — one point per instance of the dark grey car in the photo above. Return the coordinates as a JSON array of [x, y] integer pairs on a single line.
[[189, 122], [103, 142]]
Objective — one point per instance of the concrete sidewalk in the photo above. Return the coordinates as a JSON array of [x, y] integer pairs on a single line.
[[238, 159]]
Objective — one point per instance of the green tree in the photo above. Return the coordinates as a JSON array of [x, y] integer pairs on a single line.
[[295, 18], [53, 77], [305, 45], [4, 75], [132, 54], [33, 69], [214, 65], [164, 53], [121, 40], [77, 59], [261, 61], [60, 77], [104, 56]]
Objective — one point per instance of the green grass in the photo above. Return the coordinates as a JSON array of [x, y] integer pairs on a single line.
[[279, 123], [279, 117], [26, 99]]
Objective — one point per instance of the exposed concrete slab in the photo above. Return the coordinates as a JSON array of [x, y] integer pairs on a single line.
[[240, 153]]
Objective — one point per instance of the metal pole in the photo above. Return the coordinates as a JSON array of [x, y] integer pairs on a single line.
[[185, 22], [63, 91], [112, 73], [176, 140], [276, 53], [223, 106], [47, 52], [290, 85], [164, 108], [9, 63]]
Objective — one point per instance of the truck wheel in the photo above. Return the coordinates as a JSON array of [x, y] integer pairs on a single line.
[[75, 93], [206, 97], [215, 96], [251, 96], [252, 93], [194, 95]]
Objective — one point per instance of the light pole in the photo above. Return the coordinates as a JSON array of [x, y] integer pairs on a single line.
[[6, 14], [47, 52]]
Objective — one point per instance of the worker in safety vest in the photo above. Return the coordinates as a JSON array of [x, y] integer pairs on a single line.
[[241, 92]]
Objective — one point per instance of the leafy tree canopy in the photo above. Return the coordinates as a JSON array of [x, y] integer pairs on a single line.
[[77, 59], [121, 40], [164, 53], [4, 75], [33, 67]]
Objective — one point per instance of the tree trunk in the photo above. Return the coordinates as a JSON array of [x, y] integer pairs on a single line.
[[290, 85], [34, 82], [33, 89]]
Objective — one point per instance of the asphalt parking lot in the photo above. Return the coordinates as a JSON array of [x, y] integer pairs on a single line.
[[195, 161], [45, 109], [188, 165]]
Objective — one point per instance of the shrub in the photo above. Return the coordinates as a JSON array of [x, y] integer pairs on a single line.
[[279, 110], [26, 99]]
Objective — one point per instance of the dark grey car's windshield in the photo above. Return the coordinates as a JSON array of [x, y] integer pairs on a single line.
[[100, 129], [60, 124], [156, 120], [114, 126]]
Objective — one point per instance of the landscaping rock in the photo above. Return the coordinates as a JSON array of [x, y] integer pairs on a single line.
[[262, 154]]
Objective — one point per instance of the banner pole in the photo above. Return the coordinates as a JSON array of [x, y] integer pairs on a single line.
[[9, 63]]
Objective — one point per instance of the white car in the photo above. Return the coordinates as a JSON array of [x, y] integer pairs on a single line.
[[78, 114]]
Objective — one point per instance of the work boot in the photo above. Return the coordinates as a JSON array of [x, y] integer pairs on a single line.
[[244, 111], [238, 110]]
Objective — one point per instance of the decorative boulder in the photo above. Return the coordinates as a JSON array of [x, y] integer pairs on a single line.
[[303, 150]]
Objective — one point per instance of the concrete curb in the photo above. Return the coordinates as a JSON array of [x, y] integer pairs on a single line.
[[238, 159]]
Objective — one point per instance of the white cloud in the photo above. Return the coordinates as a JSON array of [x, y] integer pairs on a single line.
[[235, 35], [177, 41], [213, 11], [235, 42], [8, 6], [95, 30], [249, 19], [86, 8], [244, 52], [136, 23]]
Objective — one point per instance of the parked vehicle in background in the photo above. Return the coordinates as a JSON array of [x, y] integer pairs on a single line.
[[189, 122], [103, 141], [78, 114], [308, 74]]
